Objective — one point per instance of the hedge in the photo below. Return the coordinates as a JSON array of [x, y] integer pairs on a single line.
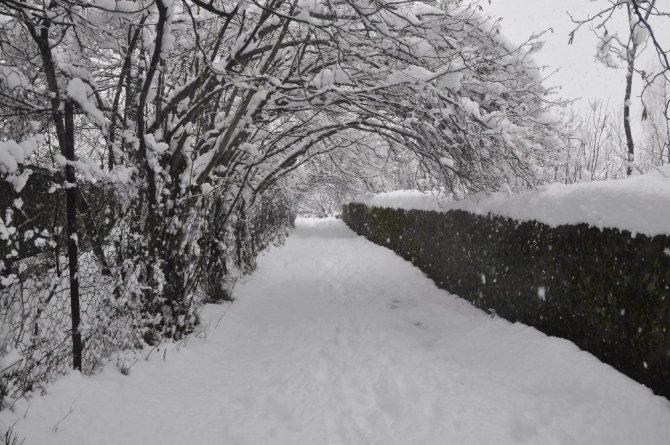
[[608, 290], [44, 209]]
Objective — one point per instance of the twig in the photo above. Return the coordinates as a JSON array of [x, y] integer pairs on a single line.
[[11, 366], [127, 369], [659, 170], [224, 314], [152, 350], [55, 427]]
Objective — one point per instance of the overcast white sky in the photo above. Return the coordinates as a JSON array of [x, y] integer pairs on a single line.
[[580, 75]]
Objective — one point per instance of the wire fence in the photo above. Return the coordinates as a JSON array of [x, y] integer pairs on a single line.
[[36, 343], [35, 307]]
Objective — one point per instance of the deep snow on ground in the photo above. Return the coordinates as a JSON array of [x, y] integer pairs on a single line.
[[334, 340], [640, 204]]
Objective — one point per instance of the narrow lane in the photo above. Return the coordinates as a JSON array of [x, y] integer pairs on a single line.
[[334, 340]]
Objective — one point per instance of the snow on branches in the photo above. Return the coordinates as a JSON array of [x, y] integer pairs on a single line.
[[210, 105]]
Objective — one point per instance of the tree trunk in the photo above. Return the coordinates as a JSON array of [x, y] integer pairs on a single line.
[[72, 237], [630, 145], [631, 55], [64, 122]]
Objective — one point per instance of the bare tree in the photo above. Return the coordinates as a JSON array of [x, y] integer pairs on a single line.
[[656, 100], [614, 49]]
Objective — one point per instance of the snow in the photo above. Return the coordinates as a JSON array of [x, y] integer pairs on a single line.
[[14, 79], [604, 50], [448, 162], [639, 204], [410, 74], [13, 153], [9, 360], [78, 91], [407, 200], [422, 9], [470, 106], [116, 5], [328, 77], [157, 147], [451, 81], [639, 31], [334, 340], [640, 34]]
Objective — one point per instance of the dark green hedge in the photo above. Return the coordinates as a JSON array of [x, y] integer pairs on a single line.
[[606, 290], [45, 210]]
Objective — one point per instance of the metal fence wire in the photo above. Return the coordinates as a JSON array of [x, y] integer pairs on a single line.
[[35, 312], [36, 343]]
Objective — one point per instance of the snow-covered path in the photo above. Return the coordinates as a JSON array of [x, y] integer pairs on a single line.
[[334, 340]]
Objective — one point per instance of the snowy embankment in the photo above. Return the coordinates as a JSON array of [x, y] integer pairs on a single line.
[[640, 204], [334, 340]]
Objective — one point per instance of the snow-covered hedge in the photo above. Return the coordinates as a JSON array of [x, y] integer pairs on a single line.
[[639, 204], [607, 290]]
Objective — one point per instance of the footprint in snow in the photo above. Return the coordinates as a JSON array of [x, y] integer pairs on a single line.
[[396, 303]]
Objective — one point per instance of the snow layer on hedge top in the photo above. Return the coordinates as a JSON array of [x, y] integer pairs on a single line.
[[640, 204]]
